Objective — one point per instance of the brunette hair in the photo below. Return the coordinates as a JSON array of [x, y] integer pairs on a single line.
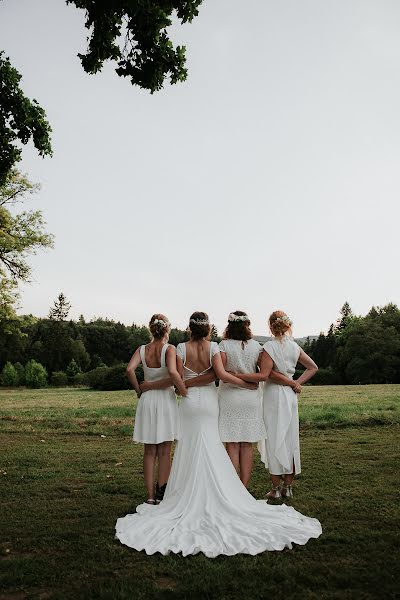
[[279, 323], [159, 326], [238, 330], [199, 330]]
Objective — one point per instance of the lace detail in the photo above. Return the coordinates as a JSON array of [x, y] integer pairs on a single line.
[[240, 410], [242, 357]]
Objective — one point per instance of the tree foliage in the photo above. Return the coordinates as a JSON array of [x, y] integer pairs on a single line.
[[9, 375], [21, 234], [60, 310], [359, 349], [365, 350], [35, 375], [133, 33], [21, 120]]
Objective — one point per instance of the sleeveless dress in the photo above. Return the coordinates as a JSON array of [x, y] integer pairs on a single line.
[[281, 416], [156, 417], [206, 508], [240, 410]]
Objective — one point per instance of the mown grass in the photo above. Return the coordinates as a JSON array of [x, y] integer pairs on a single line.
[[63, 486], [92, 412]]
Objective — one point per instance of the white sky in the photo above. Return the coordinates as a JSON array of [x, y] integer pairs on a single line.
[[270, 179]]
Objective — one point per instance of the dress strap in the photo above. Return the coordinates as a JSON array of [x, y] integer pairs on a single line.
[[163, 352], [143, 355]]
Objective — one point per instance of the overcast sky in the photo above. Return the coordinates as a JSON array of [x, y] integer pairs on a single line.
[[268, 180]]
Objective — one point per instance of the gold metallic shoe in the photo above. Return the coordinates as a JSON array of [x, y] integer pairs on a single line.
[[287, 491], [274, 493]]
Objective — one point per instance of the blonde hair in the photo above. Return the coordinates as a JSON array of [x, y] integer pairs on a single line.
[[159, 326], [279, 323]]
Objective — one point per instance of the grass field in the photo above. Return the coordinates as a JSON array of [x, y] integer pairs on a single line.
[[62, 486]]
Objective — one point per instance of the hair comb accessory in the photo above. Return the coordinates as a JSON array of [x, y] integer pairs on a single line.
[[233, 317], [285, 320], [161, 322], [199, 321]]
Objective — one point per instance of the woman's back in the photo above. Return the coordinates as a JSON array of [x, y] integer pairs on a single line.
[[153, 360], [241, 357], [196, 355], [284, 352]]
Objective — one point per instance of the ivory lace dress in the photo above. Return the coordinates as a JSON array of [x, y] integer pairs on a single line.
[[156, 418], [206, 508], [240, 410]]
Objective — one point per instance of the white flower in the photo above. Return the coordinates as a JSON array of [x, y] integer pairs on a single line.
[[162, 322], [233, 317], [199, 321], [285, 319]]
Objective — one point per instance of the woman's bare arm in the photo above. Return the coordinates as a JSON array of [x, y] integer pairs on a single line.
[[159, 384], [265, 365], [226, 377], [130, 371], [171, 360], [200, 380], [309, 364]]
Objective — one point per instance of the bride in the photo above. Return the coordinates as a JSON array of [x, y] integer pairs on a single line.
[[206, 508]]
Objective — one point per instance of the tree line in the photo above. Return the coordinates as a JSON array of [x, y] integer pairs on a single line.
[[359, 350], [62, 351], [57, 351]]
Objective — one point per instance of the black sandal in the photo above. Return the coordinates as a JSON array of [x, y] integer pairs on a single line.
[[160, 491]]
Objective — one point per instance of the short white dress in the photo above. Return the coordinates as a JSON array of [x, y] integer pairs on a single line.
[[281, 448], [240, 410], [157, 417]]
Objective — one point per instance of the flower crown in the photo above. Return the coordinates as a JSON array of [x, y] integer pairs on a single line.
[[199, 321], [161, 322], [233, 317], [285, 319]]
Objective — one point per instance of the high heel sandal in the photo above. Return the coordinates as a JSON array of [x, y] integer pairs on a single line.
[[150, 501], [287, 490], [274, 493], [160, 491]]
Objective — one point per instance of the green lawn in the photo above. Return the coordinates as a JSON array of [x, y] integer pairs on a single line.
[[63, 486]]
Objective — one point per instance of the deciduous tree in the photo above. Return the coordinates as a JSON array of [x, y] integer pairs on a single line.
[[134, 34], [21, 234], [21, 120]]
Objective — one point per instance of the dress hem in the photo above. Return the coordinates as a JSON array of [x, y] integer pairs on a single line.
[[170, 439]]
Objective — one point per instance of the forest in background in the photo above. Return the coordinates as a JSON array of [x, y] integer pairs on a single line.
[[57, 351]]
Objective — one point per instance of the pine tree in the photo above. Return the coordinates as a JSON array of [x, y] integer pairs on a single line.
[[346, 316], [60, 310], [73, 369]]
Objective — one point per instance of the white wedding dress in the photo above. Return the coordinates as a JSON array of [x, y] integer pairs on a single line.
[[206, 508]]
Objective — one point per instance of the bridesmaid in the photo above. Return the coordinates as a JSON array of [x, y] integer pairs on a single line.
[[156, 421], [281, 406], [241, 415], [240, 410]]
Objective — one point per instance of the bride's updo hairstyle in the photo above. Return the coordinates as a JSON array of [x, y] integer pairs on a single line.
[[159, 326], [238, 327], [199, 325], [279, 323]]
